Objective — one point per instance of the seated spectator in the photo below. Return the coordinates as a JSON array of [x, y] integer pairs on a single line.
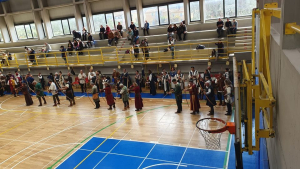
[[171, 43], [220, 46], [135, 35], [70, 47], [129, 34], [80, 47], [32, 56], [76, 35], [228, 26], [132, 26], [110, 38], [3, 61], [145, 49], [120, 28], [48, 48], [146, 28], [170, 31], [90, 41], [102, 31], [84, 34], [234, 26], [181, 30], [107, 31], [9, 56], [63, 53], [117, 36], [220, 25], [175, 28], [136, 51]]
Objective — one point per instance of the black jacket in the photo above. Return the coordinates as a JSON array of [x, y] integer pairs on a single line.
[[228, 24], [132, 26], [102, 30], [170, 29], [136, 32]]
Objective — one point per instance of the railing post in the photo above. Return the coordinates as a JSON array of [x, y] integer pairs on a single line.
[[16, 60], [101, 53], [26, 55], [67, 59], [89, 57], [46, 60], [77, 57], [55, 59], [36, 59]]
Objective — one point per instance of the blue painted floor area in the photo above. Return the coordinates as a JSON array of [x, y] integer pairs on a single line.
[[124, 154]]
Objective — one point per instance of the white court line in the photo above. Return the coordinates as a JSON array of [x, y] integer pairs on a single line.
[[167, 164], [228, 152]]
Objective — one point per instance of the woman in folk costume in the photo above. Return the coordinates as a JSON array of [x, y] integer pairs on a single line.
[[12, 85], [195, 105], [165, 80], [125, 96], [95, 95], [26, 94], [69, 92], [109, 97], [180, 78], [228, 96], [61, 79], [172, 75], [137, 98], [39, 92]]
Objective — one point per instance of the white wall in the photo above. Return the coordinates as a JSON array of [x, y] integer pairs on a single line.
[[106, 5], [57, 2], [62, 12], [19, 5], [23, 18], [154, 2]]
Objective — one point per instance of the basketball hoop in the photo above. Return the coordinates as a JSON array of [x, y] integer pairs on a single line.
[[211, 129]]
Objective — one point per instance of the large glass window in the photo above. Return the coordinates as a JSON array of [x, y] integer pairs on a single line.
[[119, 17], [213, 9], [244, 7], [151, 15], [27, 31], [195, 11], [163, 15], [63, 26], [176, 13], [110, 20], [1, 39], [134, 18], [98, 21], [229, 8], [84, 22]]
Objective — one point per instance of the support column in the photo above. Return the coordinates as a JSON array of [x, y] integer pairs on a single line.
[[140, 13], [47, 23], [89, 17], [4, 31], [78, 18], [186, 12], [126, 9], [38, 24], [11, 28], [202, 9]]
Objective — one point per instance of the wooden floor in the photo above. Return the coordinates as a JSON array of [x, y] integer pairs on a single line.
[[37, 137]]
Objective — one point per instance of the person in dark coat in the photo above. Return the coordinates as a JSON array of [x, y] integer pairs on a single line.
[[102, 31], [220, 25], [125, 78], [39, 92], [109, 97], [220, 46], [70, 47], [26, 94], [152, 80], [178, 95], [195, 105], [137, 98], [182, 30], [220, 88], [69, 92], [210, 97]]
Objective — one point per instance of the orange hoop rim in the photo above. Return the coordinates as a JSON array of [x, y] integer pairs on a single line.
[[230, 126]]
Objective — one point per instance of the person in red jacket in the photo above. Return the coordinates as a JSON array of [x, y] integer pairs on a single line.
[[109, 97], [195, 105], [107, 31], [138, 98]]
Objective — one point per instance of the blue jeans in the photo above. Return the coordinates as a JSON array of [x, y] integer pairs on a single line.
[[172, 49], [47, 51]]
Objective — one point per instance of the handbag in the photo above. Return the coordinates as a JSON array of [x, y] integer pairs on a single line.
[[95, 96]]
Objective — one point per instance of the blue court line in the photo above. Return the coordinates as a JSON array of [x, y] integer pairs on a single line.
[[131, 154]]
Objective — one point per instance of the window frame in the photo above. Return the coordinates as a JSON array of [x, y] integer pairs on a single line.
[[61, 19], [190, 10], [23, 24]]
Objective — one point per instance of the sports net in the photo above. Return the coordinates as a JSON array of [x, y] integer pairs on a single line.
[[208, 128]]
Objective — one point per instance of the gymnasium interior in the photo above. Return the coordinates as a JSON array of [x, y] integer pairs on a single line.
[[260, 53]]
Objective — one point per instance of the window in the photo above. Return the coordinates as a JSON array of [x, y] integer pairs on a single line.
[[244, 7], [195, 11], [110, 20], [229, 8], [1, 39], [119, 17], [134, 18], [176, 13], [63, 26], [98, 21], [163, 15], [213, 9], [26, 31], [84, 22], [151, 15]]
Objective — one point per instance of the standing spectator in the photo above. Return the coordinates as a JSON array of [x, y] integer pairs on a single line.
[[48, 48], [145, 49], [107, 31], [81, 77], [110, 38], [63, 53], [70, 48], [129, 34], [175, 28], [152, 81], [132, 26], [220, 25], [135, 35], [220, 46], [170, 31], [234, 26], [84, 33], [90, 42], [102, 31], [171, 43], [146, 28], [120, 28], [228, 26], [181, 30]]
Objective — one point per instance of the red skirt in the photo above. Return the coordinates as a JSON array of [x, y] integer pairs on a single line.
[[110, 99], [138, 101]]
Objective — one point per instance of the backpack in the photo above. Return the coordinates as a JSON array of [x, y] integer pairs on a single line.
[[200, 47]]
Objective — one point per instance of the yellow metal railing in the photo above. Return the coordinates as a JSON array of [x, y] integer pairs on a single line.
[[179, 52]]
